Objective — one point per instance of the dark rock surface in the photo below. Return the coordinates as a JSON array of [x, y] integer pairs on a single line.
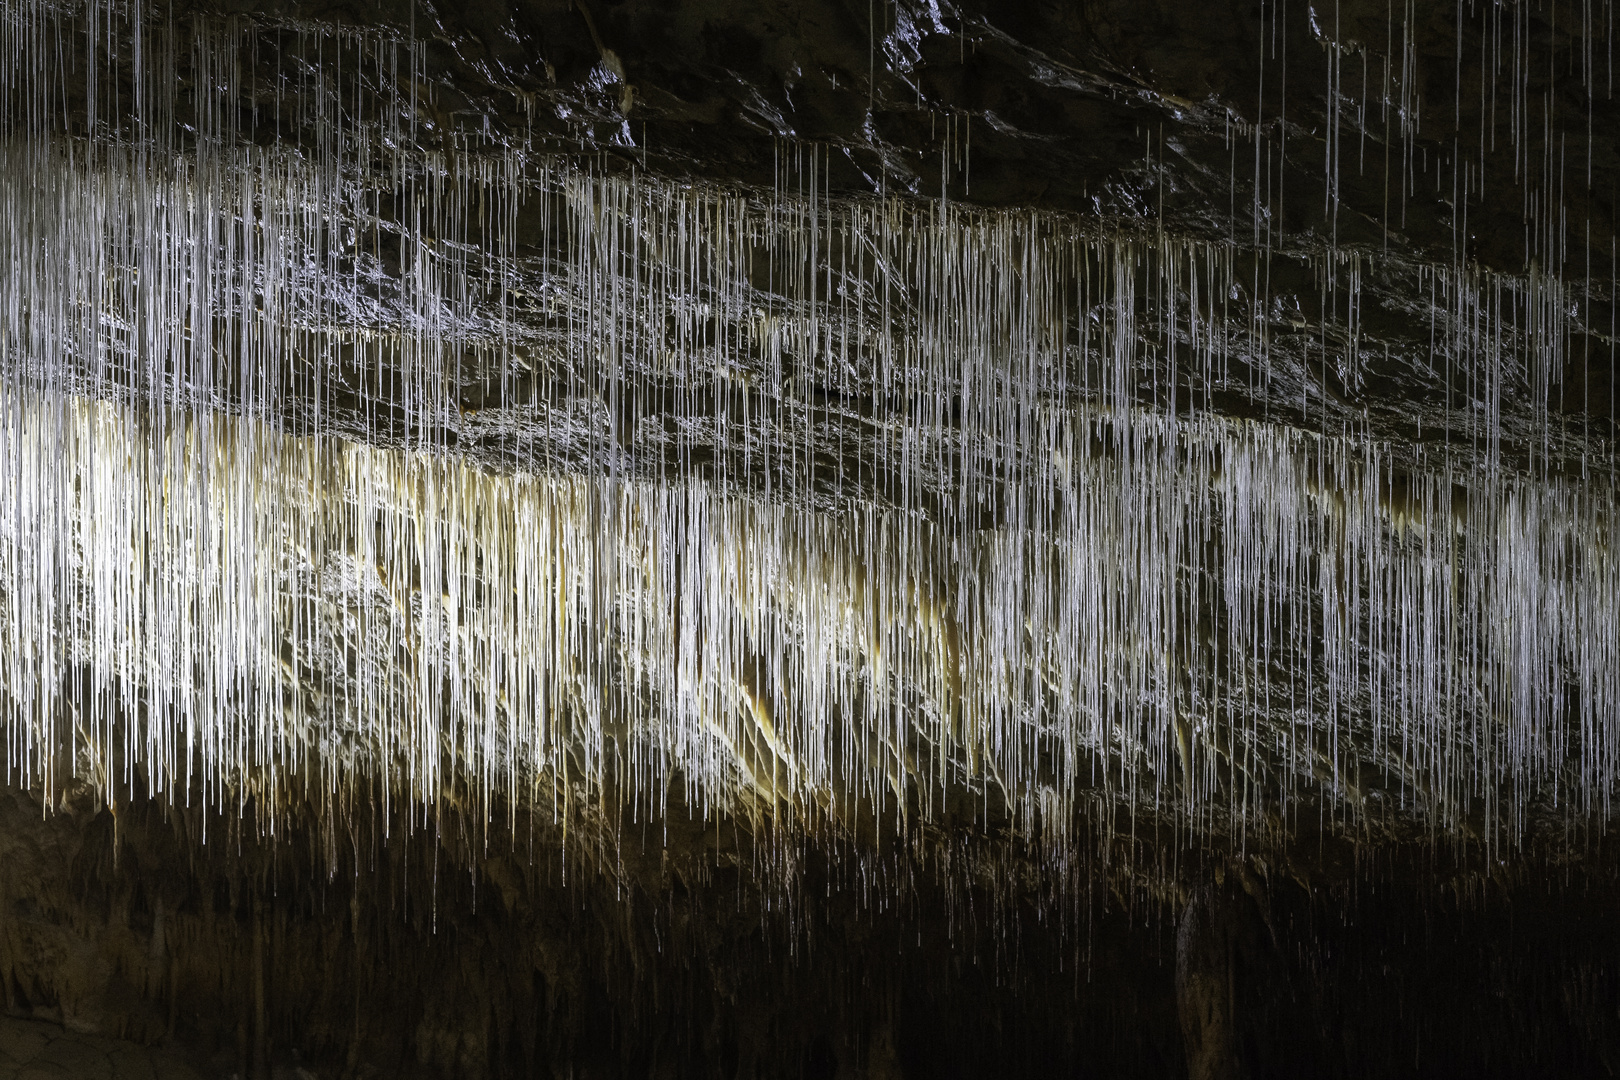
[[445, 953], [39, 1049]]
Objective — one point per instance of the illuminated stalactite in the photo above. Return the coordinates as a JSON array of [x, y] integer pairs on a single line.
[[477, 467], [231, 598]]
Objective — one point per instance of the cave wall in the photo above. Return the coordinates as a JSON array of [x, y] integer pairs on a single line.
[[445, 953]]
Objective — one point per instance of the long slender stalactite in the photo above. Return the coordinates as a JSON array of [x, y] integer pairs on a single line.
[[480, 460], [375, 445]]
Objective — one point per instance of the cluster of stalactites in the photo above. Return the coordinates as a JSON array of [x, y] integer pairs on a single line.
[[1218, 616], [481, 470]]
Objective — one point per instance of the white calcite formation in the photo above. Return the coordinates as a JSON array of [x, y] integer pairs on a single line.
[[332, 461]]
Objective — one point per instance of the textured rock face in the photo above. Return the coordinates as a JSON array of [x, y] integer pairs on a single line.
[[36, 1048], [710, 538], [434, 954], [430, 955]]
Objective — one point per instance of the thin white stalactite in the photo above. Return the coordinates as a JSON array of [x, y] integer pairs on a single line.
[[919, 520]]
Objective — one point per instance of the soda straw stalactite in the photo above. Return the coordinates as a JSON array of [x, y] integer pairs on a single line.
[[345, 450]]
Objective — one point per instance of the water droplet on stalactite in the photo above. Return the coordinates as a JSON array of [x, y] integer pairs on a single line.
[[829, 506]]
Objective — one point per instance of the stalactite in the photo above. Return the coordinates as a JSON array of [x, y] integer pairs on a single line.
[[352, 445]]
